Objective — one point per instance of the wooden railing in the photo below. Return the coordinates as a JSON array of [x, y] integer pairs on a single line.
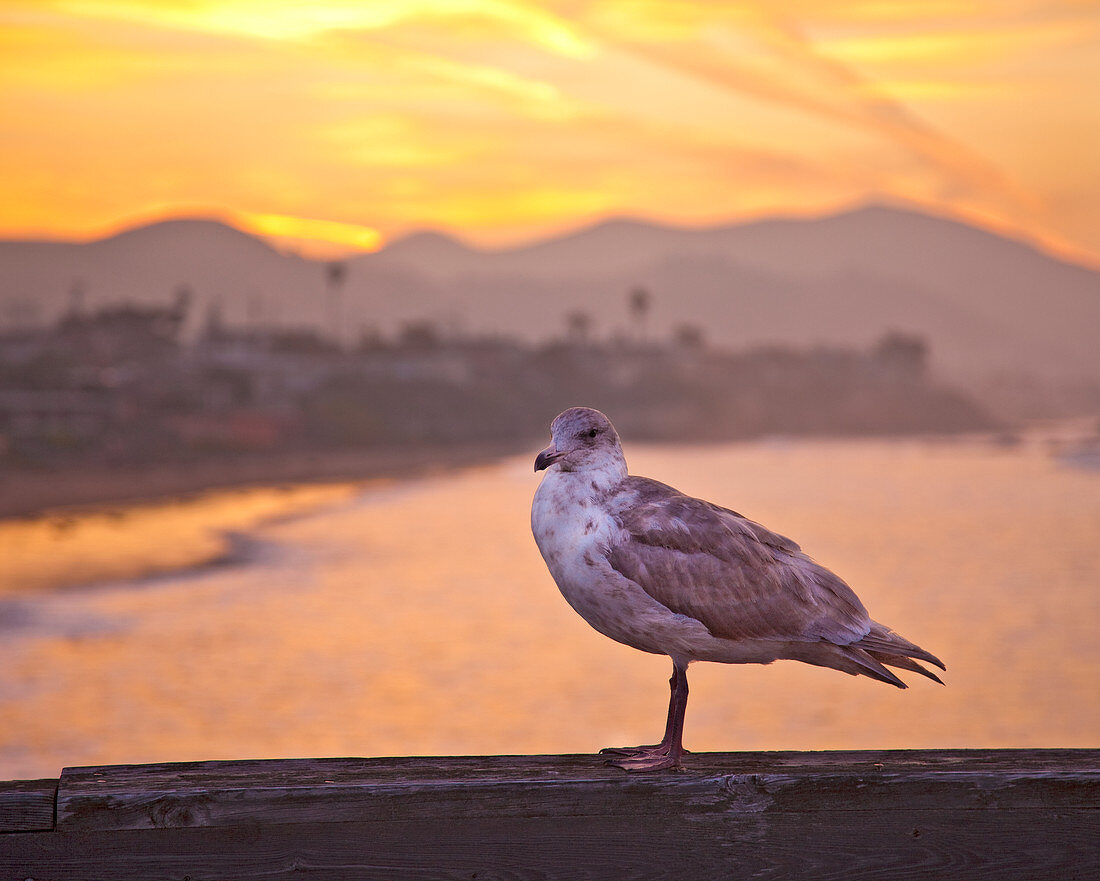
[[966, 814]]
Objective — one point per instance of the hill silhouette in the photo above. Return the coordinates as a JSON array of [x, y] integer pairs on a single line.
[[987, 303]]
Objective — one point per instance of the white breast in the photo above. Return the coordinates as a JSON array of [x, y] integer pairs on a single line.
[[569, 527]]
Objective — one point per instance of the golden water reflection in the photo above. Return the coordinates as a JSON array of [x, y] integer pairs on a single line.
[[69, 547], [419, 619]]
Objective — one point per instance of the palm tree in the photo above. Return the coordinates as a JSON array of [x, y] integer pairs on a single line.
[[639, 302], [336, 273], [578, 324]]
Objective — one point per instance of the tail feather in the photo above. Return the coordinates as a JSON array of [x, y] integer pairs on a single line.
[[868, 665], [884, 641], [904, 663], [869, 656], [847, 658]]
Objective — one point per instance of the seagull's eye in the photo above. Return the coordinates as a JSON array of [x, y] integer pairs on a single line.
[[593, 433]]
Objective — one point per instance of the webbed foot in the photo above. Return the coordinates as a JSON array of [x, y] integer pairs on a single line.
[[644, 758], [632, 750]]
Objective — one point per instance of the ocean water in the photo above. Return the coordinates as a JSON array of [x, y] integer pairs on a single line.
[[418, 618]]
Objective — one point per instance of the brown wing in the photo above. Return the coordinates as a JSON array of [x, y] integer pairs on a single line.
[[739, 579]]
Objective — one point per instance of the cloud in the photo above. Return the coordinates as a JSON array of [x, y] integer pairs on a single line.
[[784, 67], [303, 229], [980, 42], [515, 116], [272, 20]]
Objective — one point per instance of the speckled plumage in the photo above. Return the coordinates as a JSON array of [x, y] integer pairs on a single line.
[[666, 573]]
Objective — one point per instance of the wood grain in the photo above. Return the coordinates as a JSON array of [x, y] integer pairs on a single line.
[[1004, 814], [340, 790], [27, 805]]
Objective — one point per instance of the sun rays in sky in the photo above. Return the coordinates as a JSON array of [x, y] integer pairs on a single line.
[[340, 124]]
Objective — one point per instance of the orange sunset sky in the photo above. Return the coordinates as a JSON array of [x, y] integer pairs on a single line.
[[340, 124]]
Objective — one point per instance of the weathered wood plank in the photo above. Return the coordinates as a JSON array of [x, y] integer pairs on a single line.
[[344, 790], [922, 814], [27, 805], [901, 845]]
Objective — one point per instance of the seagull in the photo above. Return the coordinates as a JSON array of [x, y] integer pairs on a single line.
[[666, 573]]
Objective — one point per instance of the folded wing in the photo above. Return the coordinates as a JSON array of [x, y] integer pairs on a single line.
[[743, 581], [738, 578]]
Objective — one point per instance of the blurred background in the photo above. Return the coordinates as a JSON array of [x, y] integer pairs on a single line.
[[289, 294]]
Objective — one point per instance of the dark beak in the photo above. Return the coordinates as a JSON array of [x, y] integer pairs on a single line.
[[547, 458]]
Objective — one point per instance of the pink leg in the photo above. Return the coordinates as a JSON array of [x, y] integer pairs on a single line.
[[667, 753]]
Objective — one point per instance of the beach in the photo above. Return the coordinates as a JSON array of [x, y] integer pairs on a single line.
[[28, 492], [90, 525]]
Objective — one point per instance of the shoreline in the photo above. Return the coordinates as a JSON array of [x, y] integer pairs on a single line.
[[33, 494], [77, 529]]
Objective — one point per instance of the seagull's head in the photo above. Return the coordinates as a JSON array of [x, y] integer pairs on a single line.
[[583, 439]]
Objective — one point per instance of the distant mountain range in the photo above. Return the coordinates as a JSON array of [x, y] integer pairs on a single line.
[[986, 303]]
